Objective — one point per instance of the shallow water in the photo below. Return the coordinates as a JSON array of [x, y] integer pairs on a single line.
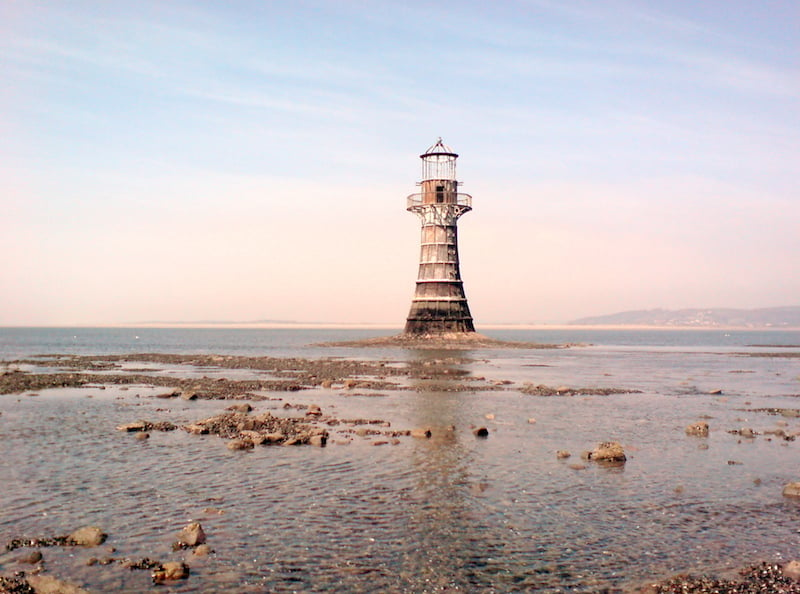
[[460, 513]]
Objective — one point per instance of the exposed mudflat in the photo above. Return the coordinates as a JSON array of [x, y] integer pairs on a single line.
[[452, 341]]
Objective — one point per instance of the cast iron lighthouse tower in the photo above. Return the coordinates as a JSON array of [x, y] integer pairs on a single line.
[[439, 305]]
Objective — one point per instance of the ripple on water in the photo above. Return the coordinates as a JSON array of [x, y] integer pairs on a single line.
[[501, 513]]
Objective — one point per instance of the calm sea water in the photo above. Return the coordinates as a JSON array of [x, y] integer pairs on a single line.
[[461, 514], [22, 342]]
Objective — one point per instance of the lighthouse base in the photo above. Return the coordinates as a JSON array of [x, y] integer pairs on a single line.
[[439, 317]]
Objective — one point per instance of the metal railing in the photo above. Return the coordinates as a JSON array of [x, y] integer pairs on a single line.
[[460, 199]]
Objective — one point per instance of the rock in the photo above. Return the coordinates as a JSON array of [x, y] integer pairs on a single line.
[[88, 536], [699, 429], [318, 440], [421, 433], [242, 408], [192, 535], [608, 451], [171, 570], [32, 558], [188, 395], [143, 436], [380, 442], [562, 389], [531, 421], [350, 384], [196, 429], [577, 466], [489, 416], [173, 394], [327, 384], [45, 584], [202, 550], [314, 410], [480, 432], [792, 490], [791, 570], [253, 436], [273, 438], [562, 454], [240, 444], [715, 391], [129, 427]]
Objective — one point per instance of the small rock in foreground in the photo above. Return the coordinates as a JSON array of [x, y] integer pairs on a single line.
[[172, 570], [46, 584], [192, 535], [88, 536], [608, 451], [699, 429], [792, 490]]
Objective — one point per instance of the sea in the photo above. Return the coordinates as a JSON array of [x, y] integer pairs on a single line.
[[463, 514]]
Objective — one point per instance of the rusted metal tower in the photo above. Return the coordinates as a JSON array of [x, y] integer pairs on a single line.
[[439, 305]]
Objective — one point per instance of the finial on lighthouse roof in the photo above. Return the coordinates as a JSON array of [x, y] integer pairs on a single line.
[[439, 148]]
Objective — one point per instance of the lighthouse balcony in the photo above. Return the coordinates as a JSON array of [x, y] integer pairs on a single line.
[[438, 198]]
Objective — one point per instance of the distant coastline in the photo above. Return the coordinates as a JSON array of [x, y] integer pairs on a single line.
[[761, 319], [397, 328]]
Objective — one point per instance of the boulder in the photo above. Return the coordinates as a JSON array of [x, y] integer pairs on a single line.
[[792, 490], [202, 550], [699, 429], [196, 429], [192, 535], [254, 437], [170, 571], [607, 451], [136, 426], [241, 408], [791, 570], [88, 536], [46, 584], [240, 444], [318, 440], [32, 558]]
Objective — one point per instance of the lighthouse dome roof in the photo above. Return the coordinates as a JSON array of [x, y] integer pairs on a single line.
[[439, 148]]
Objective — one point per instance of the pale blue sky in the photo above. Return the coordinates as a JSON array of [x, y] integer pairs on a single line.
[[250, 160]]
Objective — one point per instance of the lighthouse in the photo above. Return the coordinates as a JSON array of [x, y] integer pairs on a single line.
[[440, 304]]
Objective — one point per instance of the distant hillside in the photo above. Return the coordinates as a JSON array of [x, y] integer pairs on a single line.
[[769, 317]]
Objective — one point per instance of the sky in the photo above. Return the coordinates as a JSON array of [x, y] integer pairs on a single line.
[[235, 161]]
